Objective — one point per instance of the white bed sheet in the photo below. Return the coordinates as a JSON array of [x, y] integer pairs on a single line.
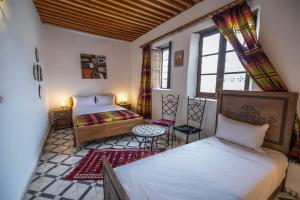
[[82, 110], [207, 169]]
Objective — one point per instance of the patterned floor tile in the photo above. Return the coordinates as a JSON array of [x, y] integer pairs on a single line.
[[58, 170], [44, 167], [60, 157]]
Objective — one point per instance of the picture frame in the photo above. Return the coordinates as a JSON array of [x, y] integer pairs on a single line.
[[179, 58], [40, 91], [37, 56], [35, 71], [39, 73], [93, 66]]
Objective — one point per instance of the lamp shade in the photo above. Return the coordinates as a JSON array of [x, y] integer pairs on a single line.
[[123, 99], [63, 103]]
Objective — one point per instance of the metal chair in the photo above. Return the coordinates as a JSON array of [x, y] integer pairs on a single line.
[[195, 111], [169, 105]]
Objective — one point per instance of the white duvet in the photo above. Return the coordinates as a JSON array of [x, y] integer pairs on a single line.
[[206, 169]]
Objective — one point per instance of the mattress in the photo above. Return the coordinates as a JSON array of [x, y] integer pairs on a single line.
[[207, 169]]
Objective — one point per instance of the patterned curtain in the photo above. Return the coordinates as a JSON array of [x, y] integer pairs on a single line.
[[238, 26], [144, 104]]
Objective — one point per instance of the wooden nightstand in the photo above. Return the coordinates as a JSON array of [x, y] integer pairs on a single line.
[[125, 105], [62, 118]]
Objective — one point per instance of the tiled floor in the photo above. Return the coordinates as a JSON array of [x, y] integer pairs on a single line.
[[59, 157]]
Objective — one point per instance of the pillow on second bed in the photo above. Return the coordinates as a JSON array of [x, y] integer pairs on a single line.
[[241, 133], [105, 100]]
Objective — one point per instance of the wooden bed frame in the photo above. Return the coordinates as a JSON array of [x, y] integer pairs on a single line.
[[278, 109], [100, 131]]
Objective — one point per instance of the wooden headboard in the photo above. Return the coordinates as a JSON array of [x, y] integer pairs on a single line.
[[277, 109]]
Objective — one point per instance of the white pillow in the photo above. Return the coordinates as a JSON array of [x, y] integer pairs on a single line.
[[244, 134], [105, 100], [83, 100]]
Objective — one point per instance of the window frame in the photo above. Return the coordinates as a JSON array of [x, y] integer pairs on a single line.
[[163, 48], [220, 64]]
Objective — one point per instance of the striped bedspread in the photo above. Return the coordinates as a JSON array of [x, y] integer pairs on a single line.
[[104, 117]]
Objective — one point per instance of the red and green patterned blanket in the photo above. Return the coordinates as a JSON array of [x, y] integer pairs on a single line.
[[104, 117]]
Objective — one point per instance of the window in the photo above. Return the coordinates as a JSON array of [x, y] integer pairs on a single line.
[[219, 67], [161, 66]]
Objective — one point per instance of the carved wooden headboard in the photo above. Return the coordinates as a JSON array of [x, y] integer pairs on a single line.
[[277, 109]]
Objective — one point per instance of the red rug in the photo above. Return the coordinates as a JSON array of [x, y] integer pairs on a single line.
[[90, 167]]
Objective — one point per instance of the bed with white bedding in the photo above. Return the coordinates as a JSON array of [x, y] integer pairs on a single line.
[[81, 110], [215, 168], [98, 117], [210, 168]]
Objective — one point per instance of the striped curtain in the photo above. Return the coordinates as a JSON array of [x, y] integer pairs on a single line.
[[144, 104], [237, 25]]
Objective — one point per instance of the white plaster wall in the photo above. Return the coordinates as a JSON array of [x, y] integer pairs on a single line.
[[23, 116], [63, 48]]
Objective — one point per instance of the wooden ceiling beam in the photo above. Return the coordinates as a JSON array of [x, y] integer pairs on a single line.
[[84, 29], [119, 19], [188, 4], [173, 4], [148, 7], [77, 12], [129, 5], [88, 25], [153, 18], [108, 14], [161, 6], [67, 15], [70, 5], [113, 12], [125, 9]]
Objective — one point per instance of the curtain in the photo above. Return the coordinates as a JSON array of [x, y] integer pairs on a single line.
[[144, 104], [156, 65], [237, 25]]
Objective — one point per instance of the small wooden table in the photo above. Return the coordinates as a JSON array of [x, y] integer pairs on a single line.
[[62, 117], [149, 134]]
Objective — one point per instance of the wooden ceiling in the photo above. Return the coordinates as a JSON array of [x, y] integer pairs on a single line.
[[119, 19]]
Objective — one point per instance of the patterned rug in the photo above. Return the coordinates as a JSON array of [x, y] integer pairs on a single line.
[[90, 167]]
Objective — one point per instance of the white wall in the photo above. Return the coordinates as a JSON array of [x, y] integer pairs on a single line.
[[278, 34], [23, 116], [63, 48]]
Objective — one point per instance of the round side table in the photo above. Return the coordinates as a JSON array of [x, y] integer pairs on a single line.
[[149, 134]]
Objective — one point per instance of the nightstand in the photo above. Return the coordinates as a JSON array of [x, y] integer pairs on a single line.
[[62, 117], [125, 105]]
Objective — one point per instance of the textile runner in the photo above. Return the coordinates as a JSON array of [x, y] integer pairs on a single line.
[[90, 167], [144, 104], [237, 25], [104, 117]]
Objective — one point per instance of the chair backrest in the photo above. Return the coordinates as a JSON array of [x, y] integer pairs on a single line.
[[195, 110], [169, 105]]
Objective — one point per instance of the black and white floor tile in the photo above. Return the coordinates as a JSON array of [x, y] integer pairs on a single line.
[[59, 157]]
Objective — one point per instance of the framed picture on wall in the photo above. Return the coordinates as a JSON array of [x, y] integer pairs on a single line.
[[179, 57], [93, 67]]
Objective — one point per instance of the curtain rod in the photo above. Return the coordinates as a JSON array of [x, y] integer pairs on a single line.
[[195, 21]]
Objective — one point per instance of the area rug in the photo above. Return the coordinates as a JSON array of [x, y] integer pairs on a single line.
[[90, 166]]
